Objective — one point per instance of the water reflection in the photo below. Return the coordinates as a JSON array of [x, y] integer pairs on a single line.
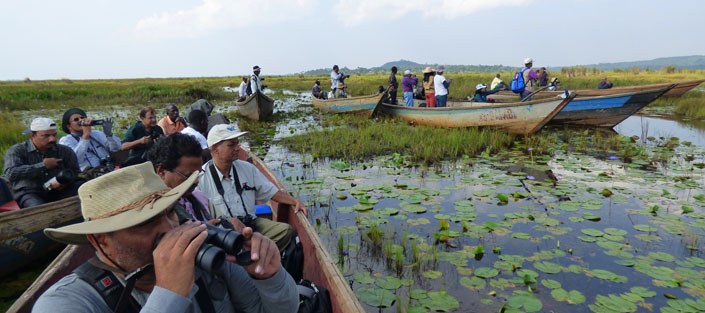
[[685, 130]]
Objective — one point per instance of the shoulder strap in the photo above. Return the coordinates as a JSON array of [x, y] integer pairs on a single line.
[[107, 286], [203, 298], [219, 186]]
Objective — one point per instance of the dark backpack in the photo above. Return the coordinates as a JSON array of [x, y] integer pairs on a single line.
[[293, 258], [313, 299], [249, 87], [518, 85]]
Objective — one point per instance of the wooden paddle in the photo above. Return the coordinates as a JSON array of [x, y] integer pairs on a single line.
[[533, 93]]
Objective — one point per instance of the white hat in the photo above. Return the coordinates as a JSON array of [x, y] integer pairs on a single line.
[[407, 72], [528, 60], [480, 86], [39, 124], [222, 132]]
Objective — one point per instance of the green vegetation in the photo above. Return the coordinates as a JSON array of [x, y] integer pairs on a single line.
[[355, 137], [691, 104], [10, 133]]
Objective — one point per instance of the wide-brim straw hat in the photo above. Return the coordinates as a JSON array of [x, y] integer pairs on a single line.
[[341, 86], [428, 69], [120, 200]]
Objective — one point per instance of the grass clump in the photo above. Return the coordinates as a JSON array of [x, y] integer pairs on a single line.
[[352, 137], [10, 134]]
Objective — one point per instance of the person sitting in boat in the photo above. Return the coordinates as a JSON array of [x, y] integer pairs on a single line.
[[140, 137], [604, 83], [255, 83], [429, 91], [233, 186], [174, 159], [39, 169], [554, 84], [543, 77], [381, 90], [316, 91], [172, 122], [407, 84], [198, 128], [498, 84], [481, 93], [242, 90], [91, 146], [144, 257]]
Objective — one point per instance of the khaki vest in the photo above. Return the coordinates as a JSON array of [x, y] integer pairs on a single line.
[[428, 85]]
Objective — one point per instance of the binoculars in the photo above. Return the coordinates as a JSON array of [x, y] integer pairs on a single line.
[[65, 176], [94, 123]]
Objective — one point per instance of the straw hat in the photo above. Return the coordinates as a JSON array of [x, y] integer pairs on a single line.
[[120, 200], [428, 69]]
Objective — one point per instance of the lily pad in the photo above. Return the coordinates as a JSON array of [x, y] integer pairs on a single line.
[[473, 283], [526, 300], [547, 267], [550, 283], [364, 278], [389, 282], [432, 274], [376, 297], [592, 232], [486, 272], [440, 301]]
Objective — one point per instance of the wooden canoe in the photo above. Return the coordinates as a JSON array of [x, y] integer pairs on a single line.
[[517, 117], [256, 106], [21, 238], [678, 89], [362, 105], [609, 110], [319, 267]]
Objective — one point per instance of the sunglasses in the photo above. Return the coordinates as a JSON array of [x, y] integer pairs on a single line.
[[76, 119], [184, 176]]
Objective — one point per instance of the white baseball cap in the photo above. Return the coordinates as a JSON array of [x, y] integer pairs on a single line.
[[222, 132], [528, 60], [40, 124], [480, 86]]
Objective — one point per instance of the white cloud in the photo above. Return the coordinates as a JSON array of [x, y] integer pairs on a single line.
[[354, 12], [215, 15]]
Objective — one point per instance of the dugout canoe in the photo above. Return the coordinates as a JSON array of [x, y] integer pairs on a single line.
[[256, 106], [22, 240], [516, 117], [608, 110], [363, 105], [679, 88], [319, 267]]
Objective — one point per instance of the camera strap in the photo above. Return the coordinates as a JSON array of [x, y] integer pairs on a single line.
[[221, 191]]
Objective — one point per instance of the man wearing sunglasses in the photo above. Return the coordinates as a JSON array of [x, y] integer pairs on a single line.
[[92, 147]]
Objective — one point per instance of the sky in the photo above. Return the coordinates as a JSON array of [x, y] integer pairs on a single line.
[[85, 39]]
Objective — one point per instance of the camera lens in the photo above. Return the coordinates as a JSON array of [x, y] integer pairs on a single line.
[[230, 240], [210, 258]]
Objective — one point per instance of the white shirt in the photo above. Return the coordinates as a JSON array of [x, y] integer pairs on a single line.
[[90, 151], [192, 132], [243, 89], [249, 175], [438, 85], [255, 83], [334, 79]]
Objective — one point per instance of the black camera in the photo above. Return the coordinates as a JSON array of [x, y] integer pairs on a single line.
[[248, 220], [108, 162], [94, 123], [65, 176]]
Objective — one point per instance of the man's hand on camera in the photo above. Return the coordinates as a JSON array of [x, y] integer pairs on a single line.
[[264, 253], [86, 126], [174, 257]]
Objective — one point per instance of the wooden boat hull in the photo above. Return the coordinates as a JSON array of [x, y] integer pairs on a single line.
[[679, 88], [318, 265], [256, 107], [362, 105], [517, 118], [21, 238], [606, 111]]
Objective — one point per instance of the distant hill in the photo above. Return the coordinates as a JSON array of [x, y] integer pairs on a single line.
[[686, 62]]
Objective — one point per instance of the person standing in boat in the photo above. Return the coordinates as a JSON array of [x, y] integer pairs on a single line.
[[604, 83], [37, 166], [481, 93], [233, 186], [440, 86], [255, 81], [145, 261], [141, 136], [530, 77], [92, 147], [172, 122], [407, 84], [543, 78], [393, 85], [242, 90], [430, 93]]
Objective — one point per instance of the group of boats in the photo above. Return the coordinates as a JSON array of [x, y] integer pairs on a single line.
[[588, 107]]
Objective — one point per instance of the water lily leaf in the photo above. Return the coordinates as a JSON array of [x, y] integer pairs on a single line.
[[519, 235], [613, 303], [482, 193], [364, 278], [384, 212], [376, 297], [502, 198], [662, 256], [615, 231], [417, 309], [440, 301], [389, 282], [432, 274], [547, 267], [473, 283], [591, 217], [550, 283], [645, 228], [643, 292], [341, 197], [647, 237], [418, 294], [346, 230], [592, 232], [587, 239], [528, 301], [696, 261], [486, 272]]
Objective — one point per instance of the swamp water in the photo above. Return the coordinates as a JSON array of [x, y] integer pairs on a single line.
[[571, 232]]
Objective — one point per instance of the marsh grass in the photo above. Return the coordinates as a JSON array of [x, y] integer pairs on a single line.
[[357, 138], [10, 133], [691, 104]]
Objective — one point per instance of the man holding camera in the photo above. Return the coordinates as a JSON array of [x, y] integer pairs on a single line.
[[140, 137], [233, 186], [92, 147], [146, 261], [40, 170], [256, 81]]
